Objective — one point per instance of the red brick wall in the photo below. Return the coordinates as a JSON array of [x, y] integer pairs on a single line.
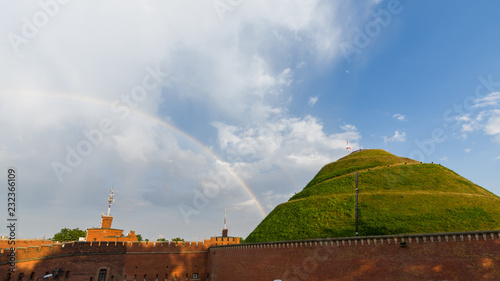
[[106, 221], [439, 257], [221, 241], [79, 261], [4, 243], [166, 261], [109, 234], [123, 261], [106, 233], [462, 256]]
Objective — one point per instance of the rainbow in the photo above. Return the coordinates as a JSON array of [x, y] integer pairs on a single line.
[[154, 120]]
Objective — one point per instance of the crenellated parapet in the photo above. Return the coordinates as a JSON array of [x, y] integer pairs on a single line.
[[397, 240], [46, 249], [167, 246], [224, 240]]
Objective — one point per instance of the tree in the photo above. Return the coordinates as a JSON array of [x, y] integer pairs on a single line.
[[67, 234], [139, 237], [177, 239], [161, 239]]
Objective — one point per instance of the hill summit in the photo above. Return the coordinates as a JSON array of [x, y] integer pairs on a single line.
[[396, 196]]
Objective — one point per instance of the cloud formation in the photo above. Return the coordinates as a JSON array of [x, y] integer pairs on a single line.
[[397, 137], [312, 101], [399, 117], [486, 119], [184, 94]]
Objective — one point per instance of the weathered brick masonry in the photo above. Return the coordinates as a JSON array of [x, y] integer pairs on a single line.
[[79, 261], [446, 256], [132, 261]]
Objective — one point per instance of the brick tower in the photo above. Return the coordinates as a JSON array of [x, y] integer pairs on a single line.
[[105, 232]]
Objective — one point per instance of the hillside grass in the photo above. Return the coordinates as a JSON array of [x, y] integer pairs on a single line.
[[397, 196], [358, 161], [302, 219], [379, 214], [428, 177], [384, 214]]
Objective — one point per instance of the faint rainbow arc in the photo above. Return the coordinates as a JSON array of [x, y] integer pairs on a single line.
[[209, 152], [157, 120]]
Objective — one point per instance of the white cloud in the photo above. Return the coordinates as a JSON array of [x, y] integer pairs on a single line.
[[399, 117], [467, 150], [444, 159], [292, 142], [397, 137], [348, 127], [244, 204], [493, 99], [279, 152], [234, 74], [312, 101], [492, 125], [486, 120]]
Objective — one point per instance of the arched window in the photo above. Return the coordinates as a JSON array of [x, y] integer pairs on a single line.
[[102, 275]]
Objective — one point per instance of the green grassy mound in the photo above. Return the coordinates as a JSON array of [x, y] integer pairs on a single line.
[[396, 196]]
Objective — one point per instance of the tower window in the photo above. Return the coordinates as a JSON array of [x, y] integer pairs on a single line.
[[102, 275]]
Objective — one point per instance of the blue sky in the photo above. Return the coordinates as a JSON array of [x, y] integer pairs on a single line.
[[188, 108]]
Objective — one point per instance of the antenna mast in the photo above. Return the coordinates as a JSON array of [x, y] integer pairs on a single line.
[[389, 141], [111, 199], [224, 230]]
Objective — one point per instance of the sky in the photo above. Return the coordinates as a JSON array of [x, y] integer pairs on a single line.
[[190, 108]]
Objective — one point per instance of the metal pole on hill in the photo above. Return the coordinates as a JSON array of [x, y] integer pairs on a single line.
[[356, 209]]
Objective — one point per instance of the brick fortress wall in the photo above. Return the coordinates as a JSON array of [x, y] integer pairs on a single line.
[[79, 261], [447, 256], [131, 261]]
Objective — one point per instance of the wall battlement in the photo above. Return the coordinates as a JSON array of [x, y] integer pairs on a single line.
[[42, 249], [27, 251], [402, 240], [437, 256], [168, 247]]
